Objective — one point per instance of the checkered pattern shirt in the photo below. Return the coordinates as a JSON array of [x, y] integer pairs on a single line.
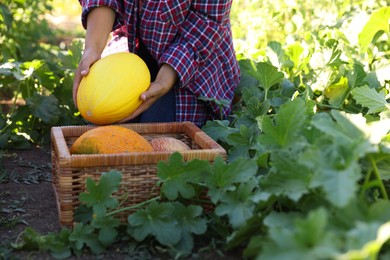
[[194, 37]]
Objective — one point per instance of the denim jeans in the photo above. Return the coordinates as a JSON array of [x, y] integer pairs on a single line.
[[163, 110]]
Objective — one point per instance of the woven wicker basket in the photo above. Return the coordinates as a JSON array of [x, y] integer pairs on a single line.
[[139, 170]]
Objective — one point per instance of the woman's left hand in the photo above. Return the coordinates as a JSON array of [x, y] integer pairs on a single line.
[[165, 80]]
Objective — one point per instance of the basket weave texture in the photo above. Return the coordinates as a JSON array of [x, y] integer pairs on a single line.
[[139, 170]]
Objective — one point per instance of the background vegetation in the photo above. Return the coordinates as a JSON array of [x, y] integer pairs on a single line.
[[308, 144]]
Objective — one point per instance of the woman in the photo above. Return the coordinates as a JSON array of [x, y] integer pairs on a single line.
[[187, 46]]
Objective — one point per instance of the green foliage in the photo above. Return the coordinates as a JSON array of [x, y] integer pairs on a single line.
[[177, 178], [33, 69]]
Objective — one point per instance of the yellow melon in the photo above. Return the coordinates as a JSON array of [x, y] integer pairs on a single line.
[[111, 90], [108, 140]]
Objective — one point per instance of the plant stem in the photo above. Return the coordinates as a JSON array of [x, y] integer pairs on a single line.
[[381, 187], [132, 207]]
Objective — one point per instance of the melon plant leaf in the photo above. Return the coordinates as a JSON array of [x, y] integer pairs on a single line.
[[379, 21], [218, 129], [371, 99], [6, 15], [337, 92], [286, 125], [362, 232], [238, 205], [340, 186], [277, 55], [155, 220], [334, 170], [190, 221], [57, 243], [83, 214], [345, 129], [241, 142], [247, 81], [44, 107], [107, 229], [288, 178], [99, 195], [2, 121], [178, 176], [220, 103], [267, 74], [305, 238], [223, 176], [84, 235], [356, 77]]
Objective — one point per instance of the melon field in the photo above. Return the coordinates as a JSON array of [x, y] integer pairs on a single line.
[[307, 172]]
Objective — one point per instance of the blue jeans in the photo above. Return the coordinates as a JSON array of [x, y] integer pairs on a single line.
[[164, 109]]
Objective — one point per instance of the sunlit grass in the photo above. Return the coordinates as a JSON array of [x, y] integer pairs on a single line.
[[70, 8]]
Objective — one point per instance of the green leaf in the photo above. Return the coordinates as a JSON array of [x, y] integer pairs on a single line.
[[334, 172], [277, 55], [337, 92], [57, 243], [238, 205], [224, 176], [218, 129], [356, 77], [83, 235], [44, 107], [358, 236], [99, 196], [287, 177], [345, 129], [178, 176], [286, 125], [366, 240], [370, 98], [241, 142], [83, 214], [7, 16], [379, 21], [155, 220], [2, 121], [220, 103], [107, 229], [340, 186], [265, 73], [303, 238], [190, 221]]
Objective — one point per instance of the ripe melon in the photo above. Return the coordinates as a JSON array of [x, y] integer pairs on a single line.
[[168, 144], [110, 139], [111, 90]]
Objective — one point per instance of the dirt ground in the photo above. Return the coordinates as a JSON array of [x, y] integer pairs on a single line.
[[27, 199], [26, 193]]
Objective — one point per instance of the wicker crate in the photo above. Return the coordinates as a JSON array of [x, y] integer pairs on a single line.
[[139, 170]]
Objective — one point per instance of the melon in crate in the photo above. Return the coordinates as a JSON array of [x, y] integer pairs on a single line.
[[110, 139]]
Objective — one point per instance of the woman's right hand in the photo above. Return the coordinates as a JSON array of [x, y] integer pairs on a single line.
[[88, 59], [100, 22]]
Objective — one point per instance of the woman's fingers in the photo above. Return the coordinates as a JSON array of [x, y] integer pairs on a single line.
[[82, 70]]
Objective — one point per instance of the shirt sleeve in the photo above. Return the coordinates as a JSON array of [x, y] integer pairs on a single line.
[[88, 5], [201, 27]]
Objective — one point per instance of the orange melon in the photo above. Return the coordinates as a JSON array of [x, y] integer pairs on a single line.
[[110, 139]]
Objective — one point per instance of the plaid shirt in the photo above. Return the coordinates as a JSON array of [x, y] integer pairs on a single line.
[[195, 38]]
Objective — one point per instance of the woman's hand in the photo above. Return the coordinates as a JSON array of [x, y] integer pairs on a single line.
[[100, 21], [165, 80], [88, 59]]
